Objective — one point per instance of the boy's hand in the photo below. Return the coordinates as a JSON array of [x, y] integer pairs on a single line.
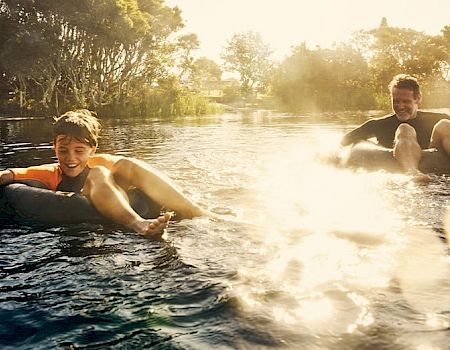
[[6, 177]]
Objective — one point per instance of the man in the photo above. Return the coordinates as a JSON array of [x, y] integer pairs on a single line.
[[409, 130]]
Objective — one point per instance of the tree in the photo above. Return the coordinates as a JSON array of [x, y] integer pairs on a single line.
[[187, 43], [322, 79], [206, 74], [86, 53], [247, 54], [444, 42], [392, 50]]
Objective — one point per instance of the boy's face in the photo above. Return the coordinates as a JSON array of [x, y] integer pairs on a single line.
[[72, 154]]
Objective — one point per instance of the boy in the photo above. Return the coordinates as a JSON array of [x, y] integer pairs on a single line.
[[103, 178]]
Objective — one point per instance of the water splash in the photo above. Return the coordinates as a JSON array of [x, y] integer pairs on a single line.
[[331, 241]]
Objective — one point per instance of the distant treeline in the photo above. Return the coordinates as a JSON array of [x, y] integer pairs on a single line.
[[126, 57], [356, 75]]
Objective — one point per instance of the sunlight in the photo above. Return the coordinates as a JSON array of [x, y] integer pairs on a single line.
[[326, 242], [288, 23], [331, 232], [436, 321], [316, 309], [284, 316], [365, 318], [425, 279], [306, 195]]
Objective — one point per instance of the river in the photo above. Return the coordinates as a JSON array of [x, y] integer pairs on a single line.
[[311, 257]]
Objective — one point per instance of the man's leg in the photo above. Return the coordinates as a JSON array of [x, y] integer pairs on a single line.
[[407, 150], [132, 172], [440, 138], [112, 202]]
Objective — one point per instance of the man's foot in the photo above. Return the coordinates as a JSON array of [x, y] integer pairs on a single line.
[[153, 227], [419, 177]]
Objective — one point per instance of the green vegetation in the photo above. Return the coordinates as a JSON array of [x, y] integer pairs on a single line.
[[356, 75], [127, 58], [323, 79], [114, 55], [247, 54], [162, 102], [349, 76]]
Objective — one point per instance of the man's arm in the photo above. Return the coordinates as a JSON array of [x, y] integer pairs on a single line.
[[363, 132], [6, 177]]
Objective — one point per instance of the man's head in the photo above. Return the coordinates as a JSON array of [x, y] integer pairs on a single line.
[[405, 96], [75, 140]]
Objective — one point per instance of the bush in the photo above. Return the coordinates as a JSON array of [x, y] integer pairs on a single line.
[[158, 103]]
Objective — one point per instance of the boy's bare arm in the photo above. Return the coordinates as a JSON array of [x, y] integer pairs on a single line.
[[6, 177]]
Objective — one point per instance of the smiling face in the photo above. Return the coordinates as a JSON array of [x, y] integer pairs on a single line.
[[405, 104], [72, 154]]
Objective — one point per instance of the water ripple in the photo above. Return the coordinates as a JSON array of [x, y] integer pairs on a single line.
[[310, 256]]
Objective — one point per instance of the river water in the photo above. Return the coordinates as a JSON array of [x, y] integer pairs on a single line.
[[309, 257]]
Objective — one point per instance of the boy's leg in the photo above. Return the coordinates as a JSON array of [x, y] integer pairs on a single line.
[[132, 172], [112, 202]]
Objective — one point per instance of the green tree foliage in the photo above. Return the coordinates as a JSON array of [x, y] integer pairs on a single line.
[[168, 99], [248, 55], [206, 75], [356, 75], [391, 50], [322, 79], [437, 90], [187, 43], [85, 53], [444, 43]]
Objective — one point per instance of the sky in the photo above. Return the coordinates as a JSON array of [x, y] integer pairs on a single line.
[[287, 23]]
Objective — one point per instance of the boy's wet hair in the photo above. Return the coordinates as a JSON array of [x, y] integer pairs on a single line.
[[80, 124], [405, 81]]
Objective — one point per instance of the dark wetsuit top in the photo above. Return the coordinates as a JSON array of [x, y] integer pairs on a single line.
[[73, 184], [383, 129]]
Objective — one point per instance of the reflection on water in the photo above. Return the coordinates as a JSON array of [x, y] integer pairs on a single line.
[[311, 257]]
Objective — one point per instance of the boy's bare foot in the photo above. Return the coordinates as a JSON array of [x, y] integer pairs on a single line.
[[153, 227]]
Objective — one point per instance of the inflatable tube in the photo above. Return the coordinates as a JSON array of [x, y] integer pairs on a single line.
[[372, 157], [19, 201]]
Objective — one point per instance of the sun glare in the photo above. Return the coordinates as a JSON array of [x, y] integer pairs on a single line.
[[330, 241], [287, 23], [316, 309], [330, 233], [300, 193]]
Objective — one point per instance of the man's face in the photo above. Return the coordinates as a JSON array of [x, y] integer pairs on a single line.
[[72, 154], [404, 104]]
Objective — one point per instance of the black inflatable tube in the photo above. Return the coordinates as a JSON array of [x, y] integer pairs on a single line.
[[39, 205], [369, 156]]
